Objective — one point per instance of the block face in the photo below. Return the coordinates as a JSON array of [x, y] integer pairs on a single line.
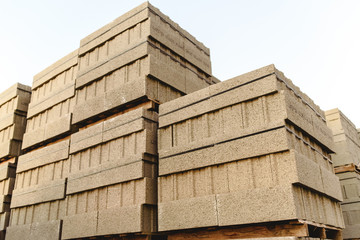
[[347, 144], [49, 125], [56, 69], [16, 97], [43, 156], [272, 141], [188, 213], [256, 205], [85, 225], [39, 194], [116, 220]]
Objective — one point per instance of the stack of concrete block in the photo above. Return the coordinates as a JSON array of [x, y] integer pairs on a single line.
[[347, 167], [252, 149], [13, 107], [38, 200], [141, 55], [126, 69], [112, 177]]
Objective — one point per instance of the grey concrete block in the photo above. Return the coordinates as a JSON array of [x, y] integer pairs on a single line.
[[11, 148], [188, 213], [116, 220], [7, 186], [108, 31], [49, 154], [38, 194], [256, 205], [48, 132], [7, 170], [4, 220], [58, 67], [351, 231], [65, 92], [13, 118], [112, 99], [271, 141], [109, 65], [18, 232], [104, 176], [86, 138], [19, 91], [85, 223]]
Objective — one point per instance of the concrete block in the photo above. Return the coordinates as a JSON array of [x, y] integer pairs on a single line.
[[38, 194], [18, 93], [116, 220], [13, 118], [103, 176], [86, 138], [331, 184], [4, 220], [5, 203], [351, 231], [103, 68], [108, 31], [65, 92], [256, 205], [18, 232], [86, 225], [188, 213], [47, 132], [11, 148], [7, 170], [242, 148], [46, 155], [7, 186], [306, 118], [55, 69], [112, 99]]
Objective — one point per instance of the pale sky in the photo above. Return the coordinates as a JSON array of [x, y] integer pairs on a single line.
[[316, 43]]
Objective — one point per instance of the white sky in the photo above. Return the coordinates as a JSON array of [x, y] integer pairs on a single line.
[[315, 43]]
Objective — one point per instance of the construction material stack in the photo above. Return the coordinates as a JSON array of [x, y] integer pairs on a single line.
[[250, 150], [347, 168], [126, 69], [38, 203], [13, 107]]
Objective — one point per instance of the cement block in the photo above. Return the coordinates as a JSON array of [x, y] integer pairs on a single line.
[[188, 213], [55, 69], [19, 91], [108, 31], [102, 176], [110, 65], [38, 194], [7, 186], [49, 154], [242, 148], [256, 205], [112, 99], [87, 138], [7, 170], [351, 231], [65, 92], [13, 118], [47, 132], [4, 220], [11, 148], [116, 220], [18, 232], [86, 225]]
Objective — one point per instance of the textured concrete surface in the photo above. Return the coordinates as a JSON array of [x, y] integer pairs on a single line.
[[347, 142], [44, 231]]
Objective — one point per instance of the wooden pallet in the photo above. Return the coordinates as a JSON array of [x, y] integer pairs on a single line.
[[347, 168], [278, 229]]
